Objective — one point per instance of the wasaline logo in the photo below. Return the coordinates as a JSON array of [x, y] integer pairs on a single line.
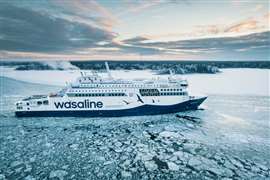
[[81, 104]]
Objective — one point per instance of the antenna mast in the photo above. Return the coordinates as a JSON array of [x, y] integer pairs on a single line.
[[81, 73], [171, 75], [108, 70]]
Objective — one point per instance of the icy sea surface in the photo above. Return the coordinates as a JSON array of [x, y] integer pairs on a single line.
[[228, 138]]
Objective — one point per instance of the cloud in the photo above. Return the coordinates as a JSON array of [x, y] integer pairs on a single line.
[[239, 28], [257, 8], [135, 40], [133, 45], [247, 25], [83, 29], [248, 47], [87, 12], [255, 39], [26, 30], [256, 44], [140, 5], [266, 18], [141, 50], [136, 6]]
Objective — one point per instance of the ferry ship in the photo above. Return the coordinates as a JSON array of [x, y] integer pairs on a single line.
[[93, 96]]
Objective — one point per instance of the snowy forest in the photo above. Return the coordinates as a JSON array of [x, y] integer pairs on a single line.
[[160, 67]]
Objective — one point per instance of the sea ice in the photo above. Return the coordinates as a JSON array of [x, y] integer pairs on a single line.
[[126, 174], [169, 134], [58, 173], [150, 165], [172, 166]]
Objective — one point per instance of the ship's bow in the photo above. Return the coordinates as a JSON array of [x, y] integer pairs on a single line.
[[196, 101]]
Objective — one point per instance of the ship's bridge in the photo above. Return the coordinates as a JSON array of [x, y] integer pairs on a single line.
[[87, 79], [94, 81]]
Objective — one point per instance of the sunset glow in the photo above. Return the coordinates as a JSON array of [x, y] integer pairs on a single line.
[[134, 30]]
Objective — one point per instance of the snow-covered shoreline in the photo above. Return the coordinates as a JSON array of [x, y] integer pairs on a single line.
[[230, 81]]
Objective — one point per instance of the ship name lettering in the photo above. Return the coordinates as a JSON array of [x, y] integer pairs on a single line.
[[81, 104]]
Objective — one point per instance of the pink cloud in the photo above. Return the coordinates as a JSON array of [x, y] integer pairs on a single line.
[[88, 12], [246, 25]]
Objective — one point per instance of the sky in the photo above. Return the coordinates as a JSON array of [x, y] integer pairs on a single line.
[[135, 30]]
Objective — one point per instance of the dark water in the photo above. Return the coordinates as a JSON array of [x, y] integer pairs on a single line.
[[228, 139]]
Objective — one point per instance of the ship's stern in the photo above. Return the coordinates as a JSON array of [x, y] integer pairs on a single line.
[[27, 106]]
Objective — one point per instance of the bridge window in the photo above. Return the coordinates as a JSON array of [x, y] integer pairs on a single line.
[[46, 102]]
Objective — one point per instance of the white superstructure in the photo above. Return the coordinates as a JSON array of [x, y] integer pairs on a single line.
[[91, 95]]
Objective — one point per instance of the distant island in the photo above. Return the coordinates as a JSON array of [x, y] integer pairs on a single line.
[[160, 67]]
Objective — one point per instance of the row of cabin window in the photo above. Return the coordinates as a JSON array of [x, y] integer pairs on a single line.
[[120, 86], [148, 90], [100, 94], [165, 94], [97, 90], [174, 94], [170, 89]]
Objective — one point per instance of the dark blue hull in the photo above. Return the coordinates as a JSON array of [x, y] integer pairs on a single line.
[[138, 111]]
